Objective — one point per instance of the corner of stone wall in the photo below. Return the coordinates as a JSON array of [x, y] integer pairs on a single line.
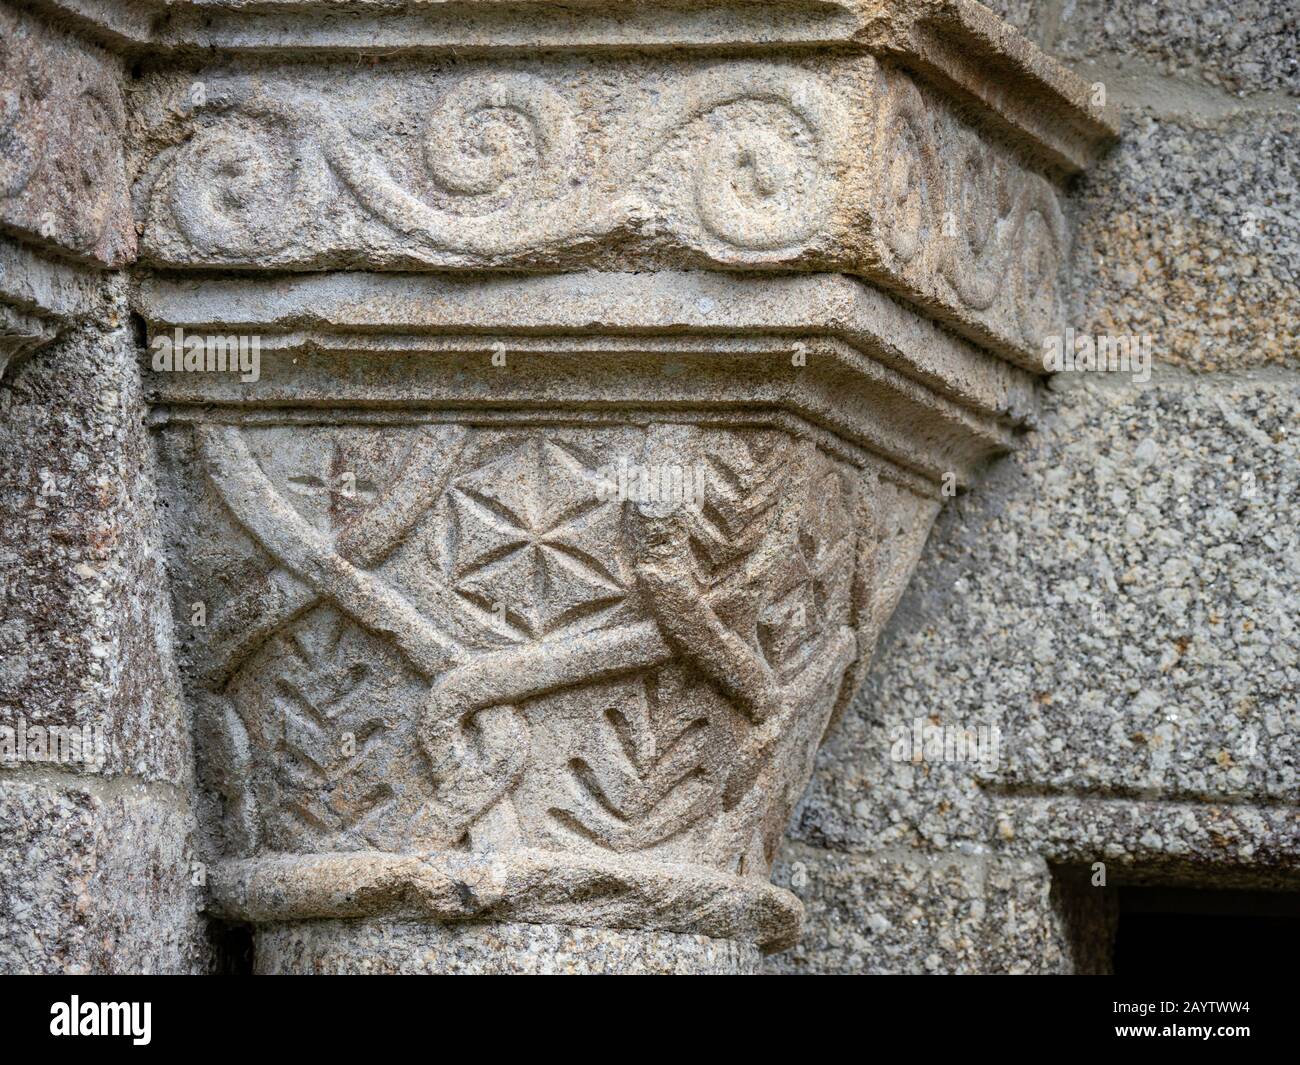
[[97, 870]]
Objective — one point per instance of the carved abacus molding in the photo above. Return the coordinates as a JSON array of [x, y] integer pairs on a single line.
[[735, 165], [808, 249], [958, 45]]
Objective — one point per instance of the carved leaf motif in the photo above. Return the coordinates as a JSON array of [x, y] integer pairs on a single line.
[[809, 601], [592, 735], [656, 769], [331, 766], [747, 477]]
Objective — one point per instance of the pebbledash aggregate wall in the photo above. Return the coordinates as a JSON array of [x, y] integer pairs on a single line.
[[1122, 596], [365, 654]]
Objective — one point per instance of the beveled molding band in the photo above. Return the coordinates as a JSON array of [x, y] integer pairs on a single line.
[[825, 348], [529, 886]]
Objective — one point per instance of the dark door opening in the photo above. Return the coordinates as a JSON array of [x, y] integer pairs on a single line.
[[1191, 932]]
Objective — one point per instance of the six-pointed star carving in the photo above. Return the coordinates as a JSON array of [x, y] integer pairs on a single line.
[[531, 532]]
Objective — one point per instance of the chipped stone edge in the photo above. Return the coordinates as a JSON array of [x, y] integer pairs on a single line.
[[41, 298]]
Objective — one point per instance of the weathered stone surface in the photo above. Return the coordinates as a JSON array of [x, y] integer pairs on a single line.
[[53, 292], [63, 201], [96, 869], [360, 947], [85, 632], [1190, 233], [1137, 597], [450, 667], [462, 704], [910, 912], [1201, 843], [825, 348], [97, 878], [1034, 18], [62, 175], [1119, 600], [600, 889], [449, 636], [1151, 716], [1252, 46]]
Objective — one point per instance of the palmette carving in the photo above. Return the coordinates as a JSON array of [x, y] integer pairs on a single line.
[[476, 648]]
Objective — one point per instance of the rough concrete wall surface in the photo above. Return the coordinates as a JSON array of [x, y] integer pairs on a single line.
[[549, 488]]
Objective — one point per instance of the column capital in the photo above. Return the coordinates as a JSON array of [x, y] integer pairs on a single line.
[[551, 405]]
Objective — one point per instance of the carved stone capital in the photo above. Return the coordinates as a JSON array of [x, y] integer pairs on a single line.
[[531, 600], [578, 419]]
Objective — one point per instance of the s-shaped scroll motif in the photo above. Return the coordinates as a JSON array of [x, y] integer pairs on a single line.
[[761, 143], [498, 151], [980, 206]]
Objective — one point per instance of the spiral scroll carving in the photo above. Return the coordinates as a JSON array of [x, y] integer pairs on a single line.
[[472, 143], [977, 232], [752, 191], [759, 147], [741, 163], [234, 186], [1039, 244], [910, 167]]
